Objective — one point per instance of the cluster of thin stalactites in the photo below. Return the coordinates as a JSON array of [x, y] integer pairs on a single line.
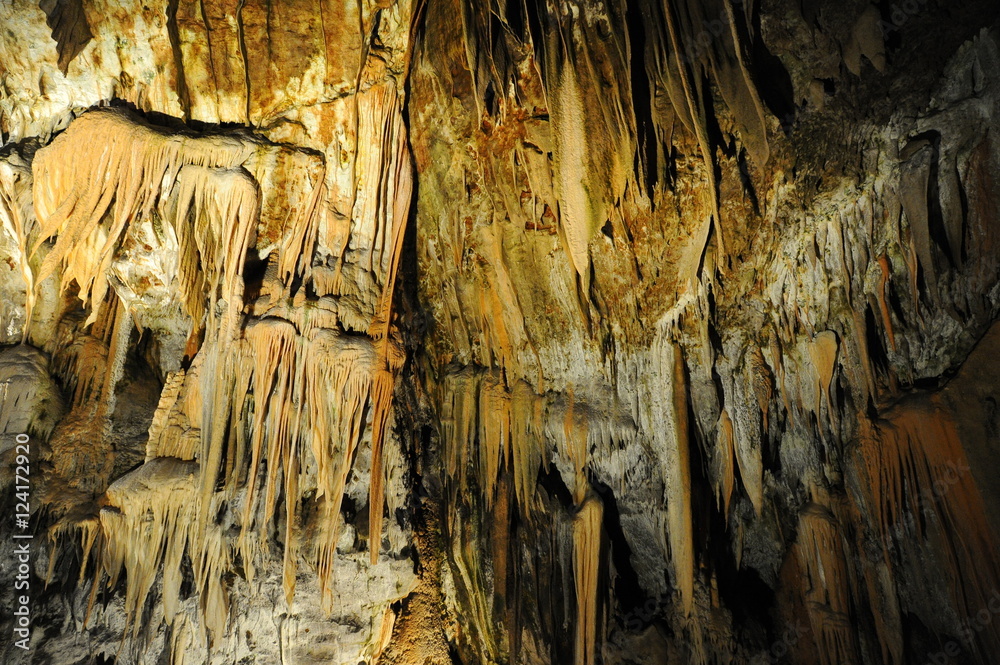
[[260, 394]]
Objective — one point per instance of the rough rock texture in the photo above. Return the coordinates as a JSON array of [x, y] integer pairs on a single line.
[[205, 261], [535, 332]]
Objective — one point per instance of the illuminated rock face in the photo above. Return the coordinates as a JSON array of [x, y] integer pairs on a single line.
[[446, 332]]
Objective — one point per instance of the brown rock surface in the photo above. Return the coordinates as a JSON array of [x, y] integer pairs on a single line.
[[511, 332]]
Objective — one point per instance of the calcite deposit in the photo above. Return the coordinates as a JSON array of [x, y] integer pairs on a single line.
[[445, 332]]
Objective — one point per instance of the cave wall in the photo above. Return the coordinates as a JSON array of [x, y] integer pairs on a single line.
[[590, 331], [205, 256], [735, 344]]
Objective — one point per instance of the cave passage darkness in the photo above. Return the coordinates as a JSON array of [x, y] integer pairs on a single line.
[[500, 332]]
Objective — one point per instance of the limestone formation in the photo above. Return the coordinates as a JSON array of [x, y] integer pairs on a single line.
[[446, 332]]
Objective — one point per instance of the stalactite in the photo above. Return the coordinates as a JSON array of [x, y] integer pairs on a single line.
[[913, 182], [760, 379], [726, 452], [170, 433], [383, 384], [576, 442], [500, 537], [917, 477], [742, 418], [586, 566], [84, 532], [820, 547], [199, 186], [75, 185], [390, 360], [223, 209], [526, 454], [738, 88], [823, 358], [588, 351], [81, 447], [950, 198], [681, 532], [74, 189], [881, 295], [115, 365], [16, 213], [691, 86], [494, 433], [499, 430], [459, 401], [165, 490], [29, 401], [868, 40], [286, 374], [580, 216]]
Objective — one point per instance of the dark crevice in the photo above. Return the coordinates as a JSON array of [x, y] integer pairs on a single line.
[[173, 33], [608, 230], [536, 33], [68, 21], [646, 168], [935, 216], [515, 19], [890, 31], [876, 350], [963, 198], [628, 592], [490, 99], [704, 509], [550, 480], [895, 304], [244, 56], [772, 80], [715, 137]]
